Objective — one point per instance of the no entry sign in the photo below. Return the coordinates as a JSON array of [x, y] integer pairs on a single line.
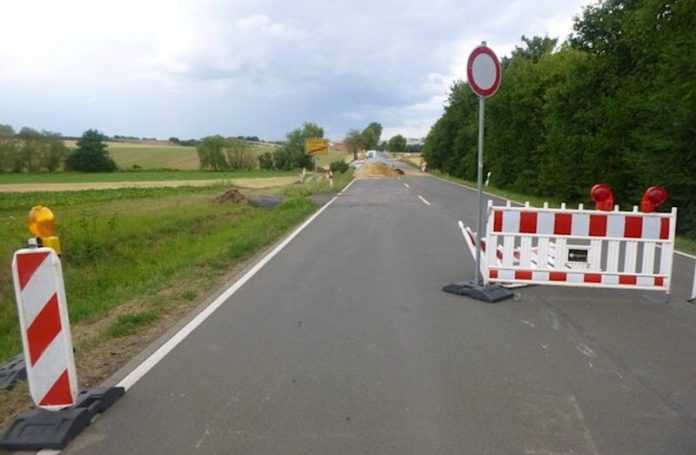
[[483, 71]]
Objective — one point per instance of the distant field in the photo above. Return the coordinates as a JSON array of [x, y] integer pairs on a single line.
[[144, 176], [166, 155], [158, 155]]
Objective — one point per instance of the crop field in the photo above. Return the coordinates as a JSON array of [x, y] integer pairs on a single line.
[[166, 155], [158, 155]]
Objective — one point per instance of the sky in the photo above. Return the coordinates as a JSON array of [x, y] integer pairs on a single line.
[[192, 68]]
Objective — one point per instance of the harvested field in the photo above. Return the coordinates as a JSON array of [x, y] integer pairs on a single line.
[[376, 169]]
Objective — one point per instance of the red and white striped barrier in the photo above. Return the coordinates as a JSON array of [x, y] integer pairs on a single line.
[[45, 328], [578, 247]]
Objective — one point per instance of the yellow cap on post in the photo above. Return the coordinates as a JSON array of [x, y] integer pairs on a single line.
[[42, 223]]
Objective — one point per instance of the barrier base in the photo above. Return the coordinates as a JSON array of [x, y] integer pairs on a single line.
[[490, 293], [42, 429], [12, 372]]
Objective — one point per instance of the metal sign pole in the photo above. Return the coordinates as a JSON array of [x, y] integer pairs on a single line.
[[483, 73], [478, 279]]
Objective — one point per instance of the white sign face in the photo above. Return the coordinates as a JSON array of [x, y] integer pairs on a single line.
[[483, 71]]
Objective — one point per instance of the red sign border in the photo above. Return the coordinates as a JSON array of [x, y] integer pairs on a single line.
[[470, 66]]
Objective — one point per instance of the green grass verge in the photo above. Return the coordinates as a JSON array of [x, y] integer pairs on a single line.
[[121, 245], [139, 176], [127, 324], [321, 186], [684, 244]]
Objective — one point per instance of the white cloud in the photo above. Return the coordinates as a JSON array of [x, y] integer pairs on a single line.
[[194, 67]]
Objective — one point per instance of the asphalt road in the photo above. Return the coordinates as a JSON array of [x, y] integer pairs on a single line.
[[344, 343]]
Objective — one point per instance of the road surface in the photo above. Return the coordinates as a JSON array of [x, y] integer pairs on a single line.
[[344, 343]]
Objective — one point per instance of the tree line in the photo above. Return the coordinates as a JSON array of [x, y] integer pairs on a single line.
[[45, 151], [615, 103]]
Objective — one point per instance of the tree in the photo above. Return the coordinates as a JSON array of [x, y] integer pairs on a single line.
[[237, 154], [355, 141], [221, 154], [211, 153], [614, 104], [174, 140], [397, 144], [6, 131], [91, 154], [371, 134], [292, 154], [52, 151], [8, 147]]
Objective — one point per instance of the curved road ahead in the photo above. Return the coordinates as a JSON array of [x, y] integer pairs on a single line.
[[344, 343]]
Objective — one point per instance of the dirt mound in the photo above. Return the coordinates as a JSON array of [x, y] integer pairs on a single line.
[[376, 169], [232, 195]]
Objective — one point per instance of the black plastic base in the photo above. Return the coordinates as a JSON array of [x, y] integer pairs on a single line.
[[41, 429], [490, 293], [14, 371]]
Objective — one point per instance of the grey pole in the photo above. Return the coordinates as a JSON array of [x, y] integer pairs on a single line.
[[479, 199]]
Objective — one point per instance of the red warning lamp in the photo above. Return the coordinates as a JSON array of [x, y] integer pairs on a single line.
[[653, 197], [603, 197]]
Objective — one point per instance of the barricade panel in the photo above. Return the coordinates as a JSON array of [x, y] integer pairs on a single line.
[[578, 247]]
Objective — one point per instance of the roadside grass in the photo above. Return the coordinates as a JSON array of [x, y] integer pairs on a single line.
[[684, 244], [122, 245], [128, 324], [135, 176], [318, 186]]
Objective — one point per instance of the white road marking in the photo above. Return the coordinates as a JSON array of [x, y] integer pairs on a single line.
[[406, 185], [423, 199], [142, 369]]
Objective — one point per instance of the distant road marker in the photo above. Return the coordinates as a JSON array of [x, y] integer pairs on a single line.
[[423, 199], [406, 185]]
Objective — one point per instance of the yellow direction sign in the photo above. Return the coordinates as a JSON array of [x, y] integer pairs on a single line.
[[315, 146]]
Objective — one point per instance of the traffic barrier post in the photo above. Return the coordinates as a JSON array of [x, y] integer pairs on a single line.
[[62, 412]]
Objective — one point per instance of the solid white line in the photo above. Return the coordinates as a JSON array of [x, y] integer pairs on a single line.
[[423, 199], [142, 369], [521, 203], [406, 185]]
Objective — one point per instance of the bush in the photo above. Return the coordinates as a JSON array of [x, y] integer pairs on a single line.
[[266, 161], [91, 154], [339, 166]]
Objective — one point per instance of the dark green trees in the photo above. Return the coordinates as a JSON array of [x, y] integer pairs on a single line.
[[614, 104], [91, 154]]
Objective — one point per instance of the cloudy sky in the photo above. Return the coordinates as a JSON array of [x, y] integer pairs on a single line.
[[190, 68]]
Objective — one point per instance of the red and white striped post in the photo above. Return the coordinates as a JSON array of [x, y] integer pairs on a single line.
[[45, 328]]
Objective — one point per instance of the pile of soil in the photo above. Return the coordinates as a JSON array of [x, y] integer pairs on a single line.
[[232, 195], [376, 169]]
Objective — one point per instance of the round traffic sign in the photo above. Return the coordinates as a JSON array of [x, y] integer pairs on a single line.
[[483, 71]]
